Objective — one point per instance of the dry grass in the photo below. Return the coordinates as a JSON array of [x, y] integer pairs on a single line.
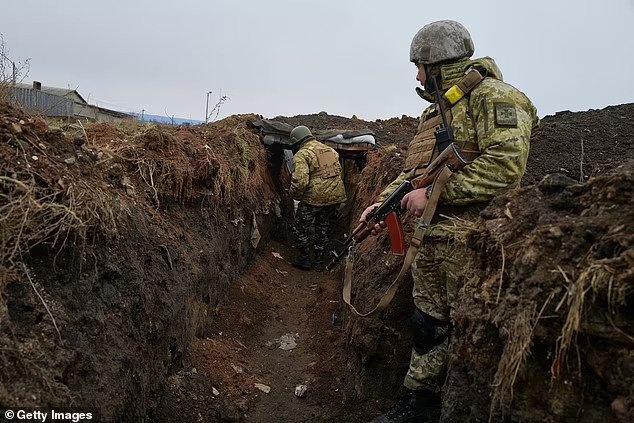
[[30, 216], [515, 354], [223, 162], [461, 229], [596, 278]]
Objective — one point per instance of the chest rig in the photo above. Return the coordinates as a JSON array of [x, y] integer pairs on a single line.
[[423, 148]]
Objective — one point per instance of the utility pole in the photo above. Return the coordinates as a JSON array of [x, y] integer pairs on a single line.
[[207, 108]]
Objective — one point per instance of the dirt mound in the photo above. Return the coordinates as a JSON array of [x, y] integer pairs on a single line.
[[222, 163], [117, 245], [569, 143], [397, 131], [547, 306], [589, 142]]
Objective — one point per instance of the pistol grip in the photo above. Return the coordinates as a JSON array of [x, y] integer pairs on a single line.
[[397, 237]]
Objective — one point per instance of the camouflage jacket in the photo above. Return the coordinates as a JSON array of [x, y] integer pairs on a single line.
[[482, 117], [317, 178]]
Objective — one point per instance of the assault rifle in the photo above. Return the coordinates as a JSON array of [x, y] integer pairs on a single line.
[[390, 210]]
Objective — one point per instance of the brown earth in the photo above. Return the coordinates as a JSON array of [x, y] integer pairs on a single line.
[[126, 240], [138, 238], [397, 131], [544, 328], [271, 300], [589, 142]]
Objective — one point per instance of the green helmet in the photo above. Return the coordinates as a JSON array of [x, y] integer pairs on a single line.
[[299, 134], [441, 41]]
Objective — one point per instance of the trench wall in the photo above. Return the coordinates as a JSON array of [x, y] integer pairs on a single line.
[[119, 242]]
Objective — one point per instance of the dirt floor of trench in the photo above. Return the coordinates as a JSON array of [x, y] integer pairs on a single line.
[[280, 328]]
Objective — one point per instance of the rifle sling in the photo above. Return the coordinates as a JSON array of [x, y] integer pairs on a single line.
[[415, 243]]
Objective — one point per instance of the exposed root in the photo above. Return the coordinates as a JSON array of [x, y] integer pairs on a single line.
[[146, 170], [497, 299], [30, 217], [26, 272]]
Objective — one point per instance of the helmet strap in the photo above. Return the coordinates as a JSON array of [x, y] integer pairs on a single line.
[[433, 73]]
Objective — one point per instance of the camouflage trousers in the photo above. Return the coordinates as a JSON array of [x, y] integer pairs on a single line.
[[312, 227], [436, 273]]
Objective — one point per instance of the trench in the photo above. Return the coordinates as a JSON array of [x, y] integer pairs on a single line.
[[274, 335], [138, 242], [140, 292], [275, 349]]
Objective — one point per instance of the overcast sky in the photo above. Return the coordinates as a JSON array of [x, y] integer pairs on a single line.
[[289, 57]]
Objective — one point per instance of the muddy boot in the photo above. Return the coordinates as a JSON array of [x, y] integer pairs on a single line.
[[413, 406], [301, 261]]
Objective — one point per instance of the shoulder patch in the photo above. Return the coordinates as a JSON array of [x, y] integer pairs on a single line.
[[505, 115]]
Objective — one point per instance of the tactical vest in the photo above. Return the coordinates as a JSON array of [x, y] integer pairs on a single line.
[[422, 150], [327, 163]]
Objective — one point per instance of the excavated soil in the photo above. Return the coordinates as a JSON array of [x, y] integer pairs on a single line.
[[544, 327], [116, 252], [394, 131], [276, 330], [582, 144], [131, 284]]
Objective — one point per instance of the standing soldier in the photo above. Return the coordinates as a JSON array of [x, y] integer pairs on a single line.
[[492, 123], [318, 186]]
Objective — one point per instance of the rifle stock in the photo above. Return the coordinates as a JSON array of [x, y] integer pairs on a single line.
[[450, 157]]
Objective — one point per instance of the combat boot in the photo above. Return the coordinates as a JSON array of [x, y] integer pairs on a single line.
[[302, 261], [413, 406]]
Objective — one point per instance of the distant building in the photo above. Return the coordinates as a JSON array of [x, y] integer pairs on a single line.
[[165, 120], [62, 103]]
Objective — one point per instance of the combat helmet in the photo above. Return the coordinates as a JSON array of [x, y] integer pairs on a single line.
[[299, 134], [439, 42]]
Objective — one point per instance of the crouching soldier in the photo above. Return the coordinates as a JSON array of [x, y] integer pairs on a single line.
[[318, 186]]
